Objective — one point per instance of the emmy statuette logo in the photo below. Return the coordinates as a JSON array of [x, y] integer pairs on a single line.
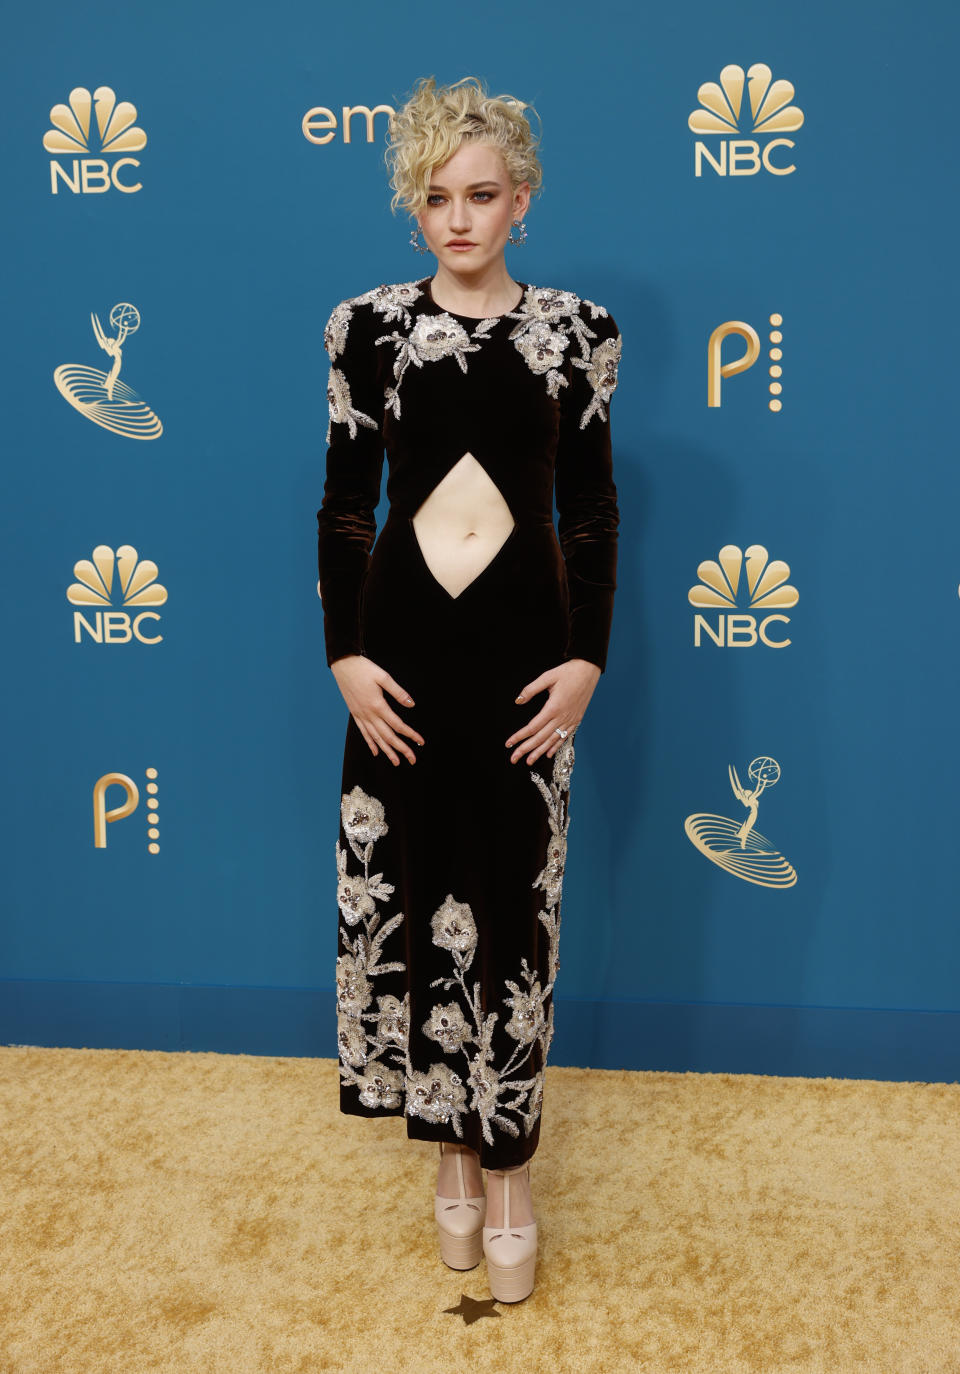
[[101, 396], [104, 816], [72, 134], [741, 849], [120, 579], [718, 370], [722, 112], [765, 589]]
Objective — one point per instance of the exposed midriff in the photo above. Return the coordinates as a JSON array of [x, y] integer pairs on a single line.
[[462, 524]]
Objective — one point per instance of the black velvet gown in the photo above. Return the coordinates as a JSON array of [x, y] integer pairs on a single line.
[[450, 870]]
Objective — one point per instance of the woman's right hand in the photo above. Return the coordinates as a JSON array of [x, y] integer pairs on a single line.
[[363, 683]]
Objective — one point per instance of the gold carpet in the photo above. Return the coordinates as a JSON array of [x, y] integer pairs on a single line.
[[208, 1212]]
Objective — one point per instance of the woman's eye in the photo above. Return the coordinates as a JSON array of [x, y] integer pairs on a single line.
[[435, 198]]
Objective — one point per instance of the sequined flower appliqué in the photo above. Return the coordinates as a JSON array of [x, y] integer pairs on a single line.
[[342, 410], [601, 369], [370, 1040], [548, 322], [504, 1095], [432, 337], [543, 349], [550, 327], [393, 302]]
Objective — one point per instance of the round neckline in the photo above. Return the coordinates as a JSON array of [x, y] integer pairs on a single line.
[[474, 318]]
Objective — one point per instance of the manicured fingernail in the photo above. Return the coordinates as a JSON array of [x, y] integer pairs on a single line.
[[519, 698]]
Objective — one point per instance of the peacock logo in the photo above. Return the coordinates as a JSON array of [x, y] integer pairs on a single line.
[[107, 584], [89, 129], [768, 114], [723, 586]]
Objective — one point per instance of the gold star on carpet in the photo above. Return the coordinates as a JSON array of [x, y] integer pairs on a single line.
[[472, 1308]]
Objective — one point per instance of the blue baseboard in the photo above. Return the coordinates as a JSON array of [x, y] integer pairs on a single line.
[[697, 1037]]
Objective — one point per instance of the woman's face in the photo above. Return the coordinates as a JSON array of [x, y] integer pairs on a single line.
[[470, 200]]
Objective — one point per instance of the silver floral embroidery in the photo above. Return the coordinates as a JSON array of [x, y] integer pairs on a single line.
[[527, 1021], [393, 302], [363, 817], [358, 894], [341, 406], [369, 1041], [440, 1094], [394, 1023], [550, 878], [447, 1026], [595, 310], [548, 321], [543, 349], [601, 369], [437, 1095], [454, 928], [431, 338], [335, 331], [546, 315], [546, 303], [380, 1087]]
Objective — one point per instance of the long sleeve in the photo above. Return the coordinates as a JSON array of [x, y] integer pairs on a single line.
[[346, 520], [586, 495]]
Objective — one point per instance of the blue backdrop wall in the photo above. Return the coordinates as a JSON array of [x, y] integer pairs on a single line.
[[785, 637]]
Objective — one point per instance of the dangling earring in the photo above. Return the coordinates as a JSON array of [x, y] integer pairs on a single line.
[[415, 240], [523, 233]]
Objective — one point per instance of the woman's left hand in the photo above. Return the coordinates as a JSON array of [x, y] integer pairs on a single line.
[[570, 687]]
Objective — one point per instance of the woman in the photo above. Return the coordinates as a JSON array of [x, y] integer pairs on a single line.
[[467, 646]]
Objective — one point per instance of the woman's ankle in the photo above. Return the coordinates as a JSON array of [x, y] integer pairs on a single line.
[[448, 1177]]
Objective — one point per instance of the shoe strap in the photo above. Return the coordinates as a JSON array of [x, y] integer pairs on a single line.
[[505, 1175], [461, 1184]]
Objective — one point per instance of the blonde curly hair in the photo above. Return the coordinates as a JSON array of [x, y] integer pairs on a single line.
[[435, 120]]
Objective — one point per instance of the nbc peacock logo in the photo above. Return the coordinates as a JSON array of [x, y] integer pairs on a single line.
[[96, 133], [723, 587], [101, 396], [741, 849], [768, 114], [119, 593]]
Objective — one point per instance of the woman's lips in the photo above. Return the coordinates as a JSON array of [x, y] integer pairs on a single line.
[[462, 247]]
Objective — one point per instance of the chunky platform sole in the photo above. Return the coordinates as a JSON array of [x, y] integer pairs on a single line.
[[460, 1224], [512, 1284], [460, 1252], [511, 1251]]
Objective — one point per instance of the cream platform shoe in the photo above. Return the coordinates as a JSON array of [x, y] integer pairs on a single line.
[[460, 1224], [511, 1251]]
